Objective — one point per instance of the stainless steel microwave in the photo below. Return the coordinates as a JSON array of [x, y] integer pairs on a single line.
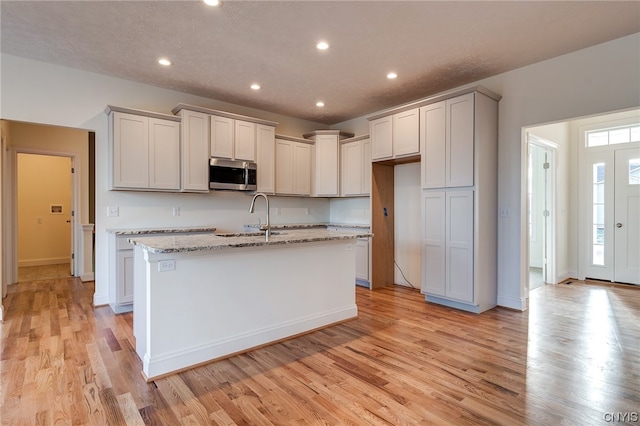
[[234, 175]]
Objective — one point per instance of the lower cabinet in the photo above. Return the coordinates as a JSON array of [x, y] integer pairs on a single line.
[[457, 269], [121, 288], [362, 262]]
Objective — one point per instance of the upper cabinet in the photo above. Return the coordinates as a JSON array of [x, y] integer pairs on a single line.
[[325, 162], [144, 150], [395, 136], [233, 139], [266, 158], [194, 142], [355, 166], [447, 138], [293, 166]]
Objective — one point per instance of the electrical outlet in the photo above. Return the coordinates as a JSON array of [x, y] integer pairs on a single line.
[[277, 209], [176, 211], [113, 211], [505, 212], [307, 211], [166, 265], [348, 247]]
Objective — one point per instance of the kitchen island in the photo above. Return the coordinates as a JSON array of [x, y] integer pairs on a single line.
[[203, 297]]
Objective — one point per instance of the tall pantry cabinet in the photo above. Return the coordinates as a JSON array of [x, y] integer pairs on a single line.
[[459, 140]]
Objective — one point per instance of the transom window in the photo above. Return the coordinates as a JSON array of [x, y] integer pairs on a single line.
[[616, 135]]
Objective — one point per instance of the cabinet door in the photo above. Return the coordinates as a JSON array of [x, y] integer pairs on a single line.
[[266, 158], [434, 242], [460, 135], [284, 167], [459, 235], [325, 165], [351, 176], [362, 259], [433, 141], [245, 141], [406, 135], [381, 138], [130, 150], [366, 167], [124, 289], [195, 151], [222, 137], [301, 169], [164, 154]]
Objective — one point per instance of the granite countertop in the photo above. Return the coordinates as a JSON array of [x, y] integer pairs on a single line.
[[199, 242], [174, 230], [311, 225]]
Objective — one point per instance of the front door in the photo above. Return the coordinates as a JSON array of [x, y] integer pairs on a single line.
[[627, 216]]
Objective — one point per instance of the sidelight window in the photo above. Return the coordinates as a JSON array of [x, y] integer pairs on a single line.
[[598, 236]]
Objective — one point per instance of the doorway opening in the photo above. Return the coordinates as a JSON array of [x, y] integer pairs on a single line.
[[541, 201], [45, 216], [609, 188]]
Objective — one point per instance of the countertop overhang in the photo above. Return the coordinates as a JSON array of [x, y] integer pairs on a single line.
[[201, 242]]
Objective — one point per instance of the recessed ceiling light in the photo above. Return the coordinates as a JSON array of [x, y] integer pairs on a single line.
[[319, 104], [392, 75], [212, 2], [164, 61], [323, 45], [255, 86]]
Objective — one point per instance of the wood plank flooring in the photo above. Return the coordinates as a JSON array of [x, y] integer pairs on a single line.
[[571, 359]]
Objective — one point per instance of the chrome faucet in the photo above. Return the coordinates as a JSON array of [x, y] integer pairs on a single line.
[[265, 227]]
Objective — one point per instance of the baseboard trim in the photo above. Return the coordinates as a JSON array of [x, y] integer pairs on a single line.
[[513, 303], [87, 277], [100, 299], [44, 262]]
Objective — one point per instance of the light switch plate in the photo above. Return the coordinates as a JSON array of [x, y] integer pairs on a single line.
[[113, 211]]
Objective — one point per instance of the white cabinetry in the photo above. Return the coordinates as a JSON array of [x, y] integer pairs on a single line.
[[406, 139], [234, 139], [355, 159], [459, 201], [121, 289], [266, 158], [362, 261], [395, 136], [325, 162], [195, 151], [447, 129], [293, 166], [144, 150]]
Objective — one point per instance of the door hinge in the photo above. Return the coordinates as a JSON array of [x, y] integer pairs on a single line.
[[73, 255], [545, 166], [73, 213], [73, 170], [546, 213]]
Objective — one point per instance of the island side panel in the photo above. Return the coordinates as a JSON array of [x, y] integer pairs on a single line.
[[219, 302]]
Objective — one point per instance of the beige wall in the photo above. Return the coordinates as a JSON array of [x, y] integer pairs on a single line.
[[43, 237]]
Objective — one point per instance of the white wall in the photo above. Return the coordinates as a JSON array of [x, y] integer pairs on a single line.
[[591, 81], [407, 225], [38, 92]]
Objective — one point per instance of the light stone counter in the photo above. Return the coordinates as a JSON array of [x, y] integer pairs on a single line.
[[199, 242], [167, 230]]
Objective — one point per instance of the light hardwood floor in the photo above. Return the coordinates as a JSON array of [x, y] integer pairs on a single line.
[[402, 362]]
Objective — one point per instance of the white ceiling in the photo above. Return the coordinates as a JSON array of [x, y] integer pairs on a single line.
[[218, 52]]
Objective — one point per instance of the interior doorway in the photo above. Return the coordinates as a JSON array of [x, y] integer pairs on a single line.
[[541, 211], [45, 219]]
